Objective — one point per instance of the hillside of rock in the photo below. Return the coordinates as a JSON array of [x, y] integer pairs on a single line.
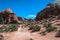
[[51, 9]]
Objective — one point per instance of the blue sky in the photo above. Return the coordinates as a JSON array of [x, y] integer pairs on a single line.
[[24, 8]]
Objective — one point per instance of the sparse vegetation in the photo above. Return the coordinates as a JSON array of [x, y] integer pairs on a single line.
[[35, 28], [12, 27], [49, 27]]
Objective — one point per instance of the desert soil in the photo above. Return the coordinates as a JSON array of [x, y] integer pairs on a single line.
[[21, 34]]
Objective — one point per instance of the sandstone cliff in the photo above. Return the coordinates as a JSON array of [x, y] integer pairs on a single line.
[[51, 9]]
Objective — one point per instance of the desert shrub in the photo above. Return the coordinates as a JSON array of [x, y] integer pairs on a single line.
[[35, 28], [50, 29], [43, 33], [57, 34], [12, 27]]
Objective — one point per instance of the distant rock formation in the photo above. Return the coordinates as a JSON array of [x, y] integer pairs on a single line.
[[9, 17], [20, 18], [51, 9]]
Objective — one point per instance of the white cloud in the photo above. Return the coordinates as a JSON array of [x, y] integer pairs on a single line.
[[31, 16]]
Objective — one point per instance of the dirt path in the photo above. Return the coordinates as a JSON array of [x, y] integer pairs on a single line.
[[20, 34]]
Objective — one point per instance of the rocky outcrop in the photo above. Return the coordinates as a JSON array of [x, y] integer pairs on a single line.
[[51, 9], [9, 17], [20, 18]]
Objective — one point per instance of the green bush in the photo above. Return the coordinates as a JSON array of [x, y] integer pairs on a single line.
[[37, 28], [12, 27], [57, 34], [34, 28]]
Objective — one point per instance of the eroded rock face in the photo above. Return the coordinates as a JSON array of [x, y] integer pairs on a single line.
[[49, 10], [9, 16]]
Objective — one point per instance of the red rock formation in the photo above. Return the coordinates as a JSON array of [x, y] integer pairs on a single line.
[[9, 16], [49, 10]]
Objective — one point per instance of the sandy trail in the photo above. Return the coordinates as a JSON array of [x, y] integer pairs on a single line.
[[23, 35]]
